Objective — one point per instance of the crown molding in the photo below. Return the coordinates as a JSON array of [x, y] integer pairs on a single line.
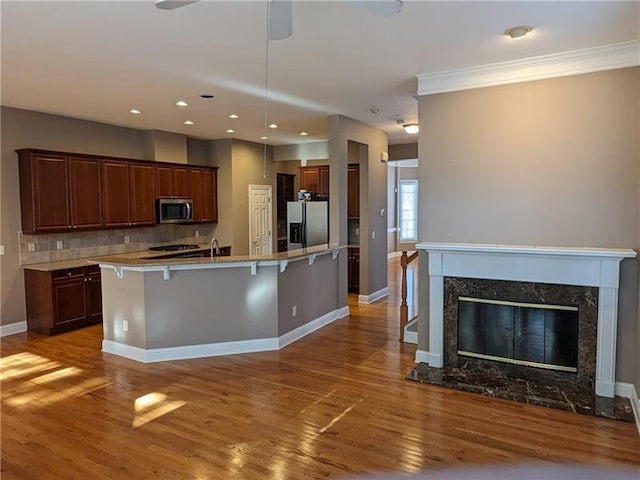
[[608, 57]]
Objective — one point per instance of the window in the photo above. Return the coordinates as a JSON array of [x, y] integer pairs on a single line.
[[408, 210]]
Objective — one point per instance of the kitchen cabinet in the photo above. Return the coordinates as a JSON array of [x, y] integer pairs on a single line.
[[315, 179], [285, 192], [43, 192], [204, 186], [172, 182], [353, 269], [128, 194], [63, 300], [59, 193], [353, 191]]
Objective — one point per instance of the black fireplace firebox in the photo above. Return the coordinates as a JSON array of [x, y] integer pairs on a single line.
[[535, 335]]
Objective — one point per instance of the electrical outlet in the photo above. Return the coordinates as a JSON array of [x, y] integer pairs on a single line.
[[197, 233], [1, 249], [373, 235], [125, 326], [294, 311], [31, 247], [127, 239], [59, 245]]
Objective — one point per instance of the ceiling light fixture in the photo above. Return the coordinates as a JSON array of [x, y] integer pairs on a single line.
[[135, 112], [518, 32], [230, 130], [411, 128], [304, 134], [233, 115], [188, 122], [182, 103], [273, 125], [264, 137]]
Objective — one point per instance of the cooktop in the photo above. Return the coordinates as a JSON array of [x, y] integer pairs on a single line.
[[173, 248]]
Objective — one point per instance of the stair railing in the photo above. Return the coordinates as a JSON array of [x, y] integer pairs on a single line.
[[405, 260]]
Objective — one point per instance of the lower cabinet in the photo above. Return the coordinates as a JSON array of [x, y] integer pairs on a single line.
[[63, 300], [353, 269]]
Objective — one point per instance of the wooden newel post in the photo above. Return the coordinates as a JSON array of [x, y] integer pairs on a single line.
[[404, 309]]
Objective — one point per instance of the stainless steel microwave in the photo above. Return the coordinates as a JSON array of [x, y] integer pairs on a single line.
[[174, 210]]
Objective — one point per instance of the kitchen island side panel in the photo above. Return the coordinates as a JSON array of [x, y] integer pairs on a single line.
[[208, 306], [123, 299], [312, 289]]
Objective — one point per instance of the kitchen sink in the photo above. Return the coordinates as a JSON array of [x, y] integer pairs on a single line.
[[199, 253]]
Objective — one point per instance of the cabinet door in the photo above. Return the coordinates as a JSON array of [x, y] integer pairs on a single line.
[[85, 188], [49, 187], [69, 303], [115, 193], [310, 179], [181, 182], [353, 191], [323, 174], [210, 195], [94, 295], [142, 194], [164, 181], [195, 180]]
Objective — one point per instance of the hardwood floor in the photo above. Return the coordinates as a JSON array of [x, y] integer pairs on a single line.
[[333, 403]]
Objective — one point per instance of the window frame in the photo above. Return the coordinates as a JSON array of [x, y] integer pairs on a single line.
[[401, 214]]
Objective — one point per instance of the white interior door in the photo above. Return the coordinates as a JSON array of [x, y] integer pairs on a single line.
[[260, 240]]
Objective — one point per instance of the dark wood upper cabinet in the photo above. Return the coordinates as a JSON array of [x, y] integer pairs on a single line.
[[316, 180], [142, 194], [116, 193], [43, 192], [203, 183], [62, 192], [353, 191], [85, 192]]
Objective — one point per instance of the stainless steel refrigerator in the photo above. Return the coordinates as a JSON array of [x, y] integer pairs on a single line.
[[307, 224]]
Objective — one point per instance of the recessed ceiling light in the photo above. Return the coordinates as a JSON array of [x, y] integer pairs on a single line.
[[233, 115], [231, 130], [304, 134], [135, 112], [181, 103], [188, 122], [518, 32], [206, 95], [264, 137], [273, 125]]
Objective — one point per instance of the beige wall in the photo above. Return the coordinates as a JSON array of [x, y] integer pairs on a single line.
[[165, 146], [373, 198], [403, 151], [551, 162]]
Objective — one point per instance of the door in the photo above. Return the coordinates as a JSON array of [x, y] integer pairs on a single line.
[[260, 239]]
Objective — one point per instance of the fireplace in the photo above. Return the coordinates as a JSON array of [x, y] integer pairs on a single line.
[[566, 276], [529, 334]]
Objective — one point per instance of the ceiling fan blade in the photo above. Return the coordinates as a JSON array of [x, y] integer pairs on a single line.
[[171, 4], [386, 8], [280, 19]]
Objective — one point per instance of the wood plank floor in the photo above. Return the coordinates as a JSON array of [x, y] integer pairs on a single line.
[[331, 404]]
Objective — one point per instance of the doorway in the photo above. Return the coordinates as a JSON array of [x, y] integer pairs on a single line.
[[260, 237]]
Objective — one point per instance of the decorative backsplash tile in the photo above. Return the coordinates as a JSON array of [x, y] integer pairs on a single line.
[[107, 242]]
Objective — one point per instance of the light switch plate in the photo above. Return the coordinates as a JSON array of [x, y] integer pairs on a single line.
[[1, 249], [31, 247]]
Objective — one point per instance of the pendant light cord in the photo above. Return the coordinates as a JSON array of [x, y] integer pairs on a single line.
[[266, 88]]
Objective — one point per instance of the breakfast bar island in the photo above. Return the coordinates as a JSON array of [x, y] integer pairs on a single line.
[[157, 309]]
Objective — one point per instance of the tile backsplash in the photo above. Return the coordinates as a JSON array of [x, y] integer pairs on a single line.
[[107, 242]]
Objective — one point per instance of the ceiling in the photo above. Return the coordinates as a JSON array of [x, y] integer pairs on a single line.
[[97, 60]]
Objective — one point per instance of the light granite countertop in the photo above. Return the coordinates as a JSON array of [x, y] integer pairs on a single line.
[[149, 258]]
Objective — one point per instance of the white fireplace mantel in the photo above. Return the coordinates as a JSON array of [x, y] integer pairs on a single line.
[[588, 267]]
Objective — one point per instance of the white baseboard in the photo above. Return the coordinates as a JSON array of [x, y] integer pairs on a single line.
[[223, 348], [393, 255], [307, 328], [422, 356], [13, 328], [374, 297], [628, 390], [410, 337]]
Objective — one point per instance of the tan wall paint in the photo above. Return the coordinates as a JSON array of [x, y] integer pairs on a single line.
[[220, 156], [403, 151], [373, 253], [551, 162], [165, 146]]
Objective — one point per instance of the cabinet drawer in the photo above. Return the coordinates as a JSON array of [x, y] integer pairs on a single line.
[[67, 274]]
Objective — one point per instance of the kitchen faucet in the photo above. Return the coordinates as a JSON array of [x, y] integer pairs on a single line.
[[216, 245]]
